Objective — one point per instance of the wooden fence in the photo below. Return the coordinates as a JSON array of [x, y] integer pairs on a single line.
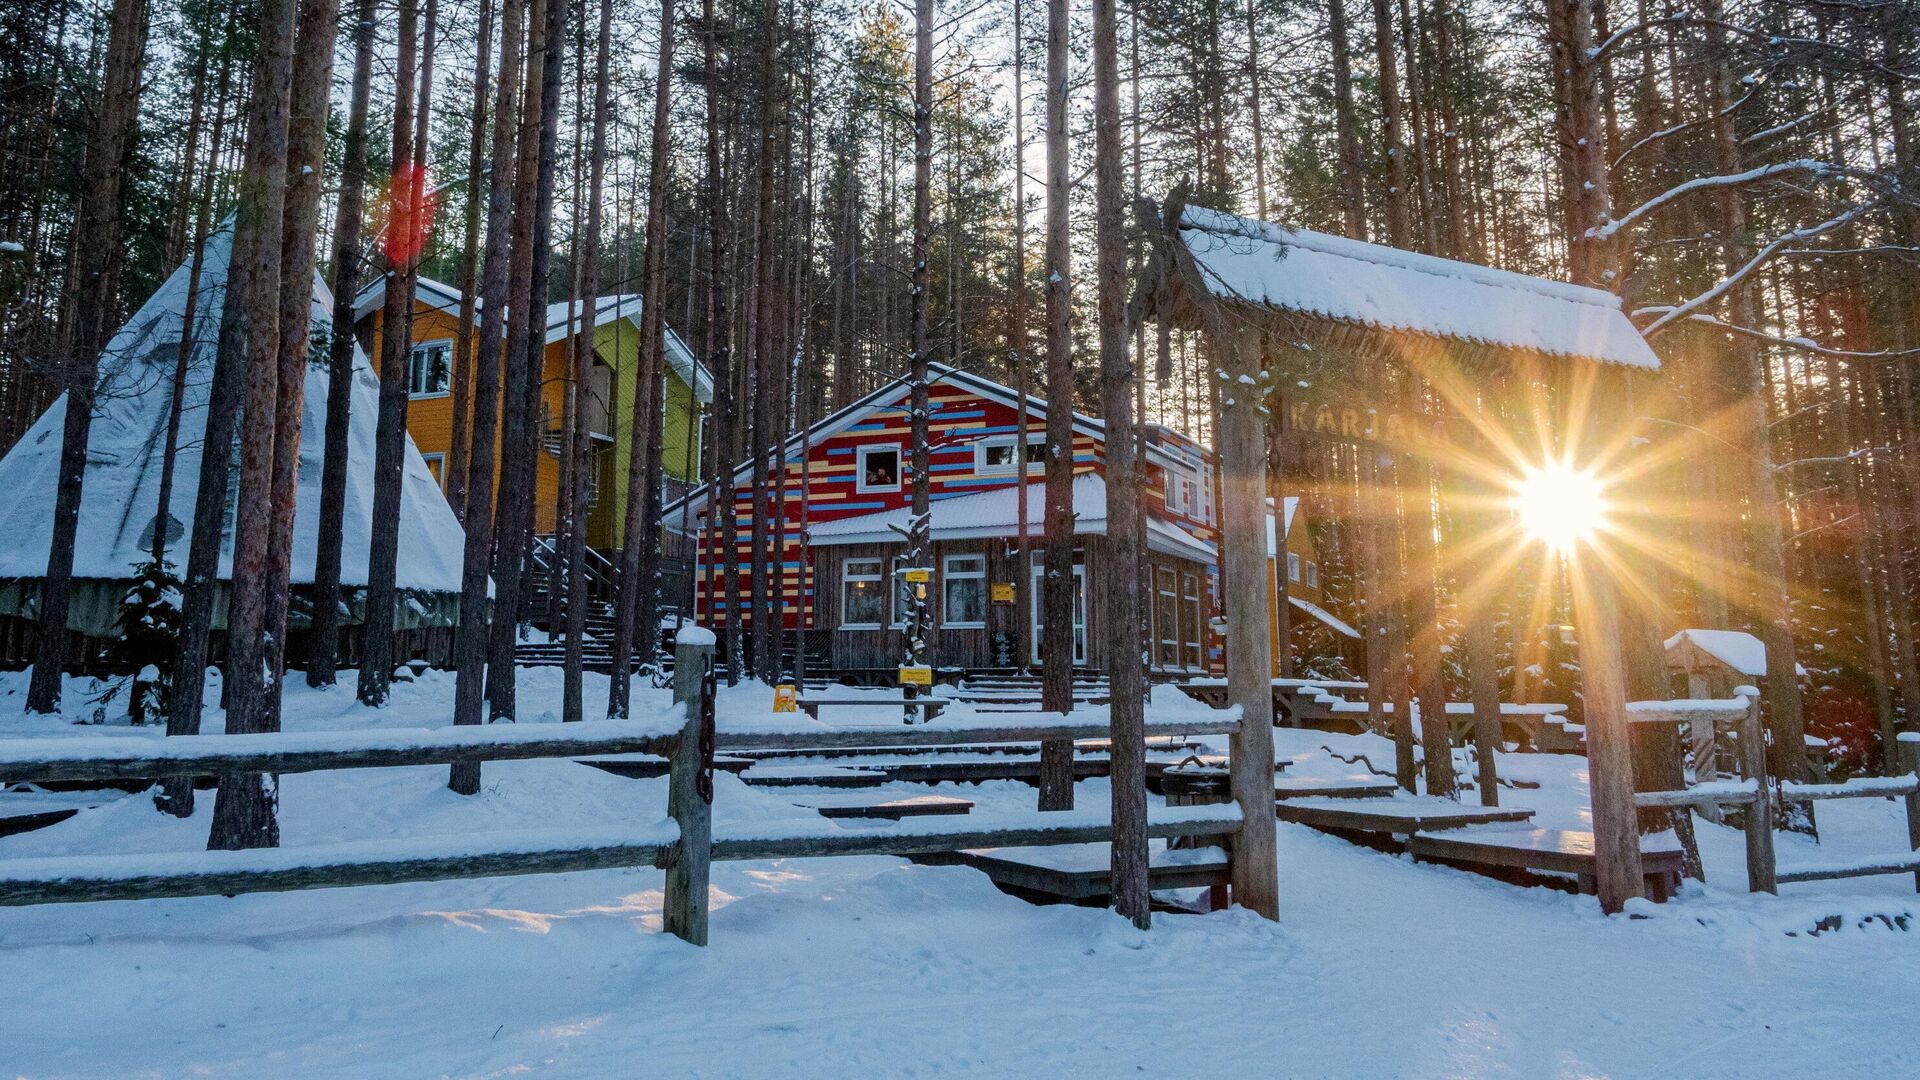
[[1755, 792], [684, 844]]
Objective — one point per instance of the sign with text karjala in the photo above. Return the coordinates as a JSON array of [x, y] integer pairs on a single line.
[[1357, 421], [911, 675]]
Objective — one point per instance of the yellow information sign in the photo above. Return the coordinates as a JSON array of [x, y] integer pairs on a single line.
[[917, 575], [916, 676], [784, 698], [1003, 592]]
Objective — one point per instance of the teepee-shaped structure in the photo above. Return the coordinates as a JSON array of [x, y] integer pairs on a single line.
[[119, 509]]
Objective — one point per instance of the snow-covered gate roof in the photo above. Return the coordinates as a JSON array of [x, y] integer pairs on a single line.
[[1385, 288]]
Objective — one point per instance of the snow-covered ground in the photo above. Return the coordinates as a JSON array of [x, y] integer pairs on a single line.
[[1379, 967]]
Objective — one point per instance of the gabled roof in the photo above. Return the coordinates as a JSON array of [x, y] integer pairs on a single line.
[[445, 298], [1738, 650], [891, 395], [119, 509], [996, 513], [1371, 285]]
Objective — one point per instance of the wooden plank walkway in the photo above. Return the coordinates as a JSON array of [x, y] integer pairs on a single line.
[[1554, 851], [891, 808], [1082, 874], [1349, 787], [1398, 816]]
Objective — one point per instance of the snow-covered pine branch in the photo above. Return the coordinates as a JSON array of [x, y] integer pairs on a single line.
[[1760, 259], [1802, 343], [1707, 183]]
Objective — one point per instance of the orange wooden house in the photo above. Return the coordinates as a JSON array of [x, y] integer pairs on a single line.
[[608, 401]]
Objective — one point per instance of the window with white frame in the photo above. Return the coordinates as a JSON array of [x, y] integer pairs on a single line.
[[1293, 567], [877, 468], [430, 369], [963, 591], [1195, 620], [1179, 490], [1313, 574], [861, 596], [1166, 617], [994, 455], [437, 465]]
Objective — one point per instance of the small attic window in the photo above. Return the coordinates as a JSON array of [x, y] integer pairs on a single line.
[[877, 468]]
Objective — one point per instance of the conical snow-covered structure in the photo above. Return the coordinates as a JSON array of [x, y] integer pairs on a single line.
[[119, 508]]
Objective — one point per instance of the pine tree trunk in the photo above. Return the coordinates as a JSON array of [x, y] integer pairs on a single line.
[[244, 810], [1056, 593], [328, 604], [1395, 202], [462, 450], [470, 637], [920, 528], [761, 439], [526, 317], [306, 164], [1121, 604], [721, 509], [377, 655], [1024, 600], [96, 247], [638, 626]]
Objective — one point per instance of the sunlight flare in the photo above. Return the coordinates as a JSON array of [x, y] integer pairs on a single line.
[[1560, 505]]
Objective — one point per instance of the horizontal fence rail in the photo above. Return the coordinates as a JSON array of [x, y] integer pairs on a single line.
[[683, 843]]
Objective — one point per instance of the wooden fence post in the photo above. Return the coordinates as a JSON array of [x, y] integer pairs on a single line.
[[690, 788], [1912, 741], [1762, 870]]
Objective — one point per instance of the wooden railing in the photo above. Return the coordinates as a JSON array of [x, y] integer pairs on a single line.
[[1754, 792], [684, 844]]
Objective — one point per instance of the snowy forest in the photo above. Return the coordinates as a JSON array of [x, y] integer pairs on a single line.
[[517, 420]]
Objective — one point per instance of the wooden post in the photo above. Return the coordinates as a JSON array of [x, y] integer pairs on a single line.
[[690, 787], [1912, 741], [1616, 830], [1243, 469], [1761, 868]]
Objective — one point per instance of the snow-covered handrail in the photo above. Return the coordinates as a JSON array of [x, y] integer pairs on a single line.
[[138, 758], [952, 730], [83, 878]]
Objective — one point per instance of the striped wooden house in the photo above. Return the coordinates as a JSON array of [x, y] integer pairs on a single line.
[[841, 538]]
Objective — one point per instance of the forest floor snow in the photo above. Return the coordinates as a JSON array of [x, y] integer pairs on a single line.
[[1379, 967]]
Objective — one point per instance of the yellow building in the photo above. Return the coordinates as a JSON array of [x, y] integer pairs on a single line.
[[608, 401], [1300, 564]]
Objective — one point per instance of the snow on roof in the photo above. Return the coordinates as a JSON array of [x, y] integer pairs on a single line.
[[1744, 653], [1338, 624], [1273, 540], [1352, 281], [445, 298], [995, 513], [121, 488]]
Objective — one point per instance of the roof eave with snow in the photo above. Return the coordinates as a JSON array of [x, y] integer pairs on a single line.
[[1376, 287]]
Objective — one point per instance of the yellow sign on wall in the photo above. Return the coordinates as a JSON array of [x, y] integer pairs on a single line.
[[916, 676], [1003, 592]]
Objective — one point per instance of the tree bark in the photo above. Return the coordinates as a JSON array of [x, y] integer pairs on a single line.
[[306, 163], [96, 247], [1122, 603], [377, 655], [244, 810], [461, 452], [638, 626], [1395, 203], [470, 636], [327, 602], [1056, 593]]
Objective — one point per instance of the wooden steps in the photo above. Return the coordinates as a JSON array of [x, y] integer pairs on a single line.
[[1525, 850], [1082, 873], [1401, 815]]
